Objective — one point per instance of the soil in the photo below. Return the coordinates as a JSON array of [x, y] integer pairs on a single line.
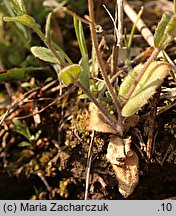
[[66, 175]]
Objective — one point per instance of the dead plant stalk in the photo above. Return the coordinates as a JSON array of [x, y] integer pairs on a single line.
[[100, 61]]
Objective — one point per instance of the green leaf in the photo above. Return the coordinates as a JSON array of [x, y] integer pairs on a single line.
[[48, 28], [146, 87], [171, 27], [165, 31], [18, 7], [22, 129], [160, 36], [84, 76], [17, 74], [70, 74], [128, 81], [30, 22], [44, 54], [24, 19], [24, 144], [22, 33], [80, 36]]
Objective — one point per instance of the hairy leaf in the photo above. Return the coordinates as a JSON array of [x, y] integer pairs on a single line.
[[160, 35], [24, 19], [70, 74], [146, 87], [84, 76], [128, 81], [171, 27], [44, 54]]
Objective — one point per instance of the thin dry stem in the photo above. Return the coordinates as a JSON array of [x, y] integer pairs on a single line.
[[89, 159], [120, 23], [100, 61]]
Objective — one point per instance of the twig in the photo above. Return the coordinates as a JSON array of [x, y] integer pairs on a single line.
[[163, 110], [22, 99], [36, 112], [89, 160], [100, 61], [59, 7], [113, 21], [86, 21], [15, 102]]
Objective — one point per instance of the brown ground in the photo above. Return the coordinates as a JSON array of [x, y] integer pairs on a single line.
[[53, 166]]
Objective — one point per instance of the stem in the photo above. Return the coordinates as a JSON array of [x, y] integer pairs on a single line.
[[141, 72], [120, 23], [100, 61], [89, 160], [104, 112], [49, 45]]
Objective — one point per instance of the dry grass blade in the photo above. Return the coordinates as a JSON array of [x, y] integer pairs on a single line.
[[89, 159]]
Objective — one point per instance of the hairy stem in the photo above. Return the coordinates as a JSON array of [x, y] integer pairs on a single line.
[[104, 112], [100, 61], [49, 45], [140, 74]]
